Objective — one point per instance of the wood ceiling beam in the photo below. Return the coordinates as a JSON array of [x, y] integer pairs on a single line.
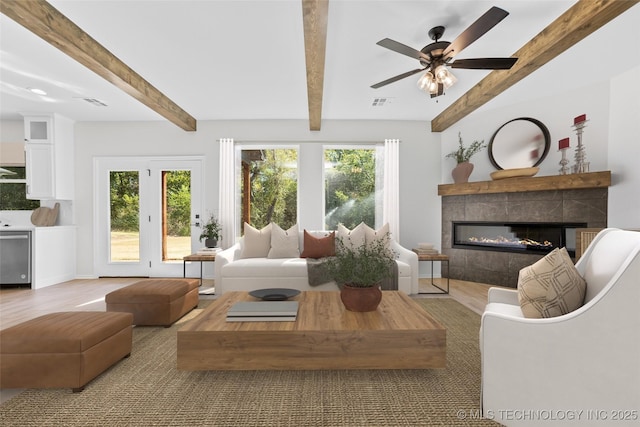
[[582, 19], [48, 23], [315, 15]]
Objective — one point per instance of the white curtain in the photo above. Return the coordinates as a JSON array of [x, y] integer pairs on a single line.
[[390, 206], [227, 202]]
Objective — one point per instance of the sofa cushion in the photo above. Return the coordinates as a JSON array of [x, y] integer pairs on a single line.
[[352, 239], [256, 243], [319, 247], [284, 243], [550, 287], [266, 267], [281, 267]]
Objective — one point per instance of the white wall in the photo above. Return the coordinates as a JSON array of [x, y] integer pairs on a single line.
[[624, 151], [419, 157], [610, 138], [557, 114]]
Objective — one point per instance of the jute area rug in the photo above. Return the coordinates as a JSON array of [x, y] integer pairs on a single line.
[[147, 389]]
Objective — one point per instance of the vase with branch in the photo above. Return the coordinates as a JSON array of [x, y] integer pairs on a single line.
[[462, 155]]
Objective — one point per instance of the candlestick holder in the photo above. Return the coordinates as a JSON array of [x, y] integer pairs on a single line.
[[564, 169], [581, 165]]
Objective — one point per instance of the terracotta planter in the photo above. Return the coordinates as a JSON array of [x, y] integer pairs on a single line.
[[361, 299], [462, 172]]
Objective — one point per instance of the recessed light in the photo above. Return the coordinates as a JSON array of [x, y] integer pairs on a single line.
[[36, 91]]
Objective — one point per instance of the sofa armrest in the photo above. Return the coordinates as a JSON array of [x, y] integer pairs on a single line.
[[409, 257], [504, 296], [223, 258]]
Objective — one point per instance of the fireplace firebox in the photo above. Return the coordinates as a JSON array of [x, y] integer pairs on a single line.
[[532, 237]]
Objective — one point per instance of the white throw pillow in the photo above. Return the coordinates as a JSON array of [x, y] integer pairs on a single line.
[[256, 242], [352, 239], [372, 235], [284, 243]]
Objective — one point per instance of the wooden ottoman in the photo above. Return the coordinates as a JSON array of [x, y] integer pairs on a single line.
[[155, 301], [60, 350]]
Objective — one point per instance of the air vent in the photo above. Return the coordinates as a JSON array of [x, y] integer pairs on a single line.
[[95, 102], [380, 102]]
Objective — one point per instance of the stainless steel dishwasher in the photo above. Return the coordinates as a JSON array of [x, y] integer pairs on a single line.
[[15, 257]]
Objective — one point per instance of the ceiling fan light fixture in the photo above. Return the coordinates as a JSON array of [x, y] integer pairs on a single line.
[[444, 76], [428, 83]]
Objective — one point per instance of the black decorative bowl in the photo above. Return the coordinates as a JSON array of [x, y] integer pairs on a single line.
[[274, 294]]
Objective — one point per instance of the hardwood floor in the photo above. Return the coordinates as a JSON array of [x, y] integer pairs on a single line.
[[18, 305]]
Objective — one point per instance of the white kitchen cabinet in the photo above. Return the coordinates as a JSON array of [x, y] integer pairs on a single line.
[[49, 157], [54, 255], [39, 171], [38, 129]]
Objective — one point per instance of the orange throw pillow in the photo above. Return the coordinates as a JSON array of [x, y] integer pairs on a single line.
[[319, 247]]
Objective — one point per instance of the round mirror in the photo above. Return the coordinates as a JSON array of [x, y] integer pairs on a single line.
[[520, 143]]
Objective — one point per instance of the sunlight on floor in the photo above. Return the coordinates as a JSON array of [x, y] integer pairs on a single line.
[[91, 302]]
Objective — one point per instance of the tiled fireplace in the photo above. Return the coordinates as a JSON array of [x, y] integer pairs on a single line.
[[522, 227]]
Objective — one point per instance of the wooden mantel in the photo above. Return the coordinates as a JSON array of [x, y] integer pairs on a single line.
[[542, 183]]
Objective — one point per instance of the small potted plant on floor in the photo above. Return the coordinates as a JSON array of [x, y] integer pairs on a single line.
[[463, 169], [211, 232], [360, 272]]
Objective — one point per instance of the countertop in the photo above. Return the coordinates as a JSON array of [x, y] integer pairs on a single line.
[[31, 227]]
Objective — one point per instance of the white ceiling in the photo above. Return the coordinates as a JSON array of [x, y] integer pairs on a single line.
[[222, 60]]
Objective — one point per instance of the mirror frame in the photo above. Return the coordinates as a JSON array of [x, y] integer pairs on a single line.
[[543, 129]]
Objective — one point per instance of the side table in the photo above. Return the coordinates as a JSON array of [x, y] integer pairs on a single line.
[[197, 258], [434, 257]]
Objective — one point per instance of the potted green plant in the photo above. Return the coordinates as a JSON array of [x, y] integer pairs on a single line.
[[211, 232], [463, 168], [359, 271]]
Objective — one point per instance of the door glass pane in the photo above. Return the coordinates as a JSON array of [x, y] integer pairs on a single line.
[[176, 215], [350, 187], [125, 216], [269, 187]]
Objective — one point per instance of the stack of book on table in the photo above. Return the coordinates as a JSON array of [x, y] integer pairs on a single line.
[[426, 249], [263, 311], [208, 251]]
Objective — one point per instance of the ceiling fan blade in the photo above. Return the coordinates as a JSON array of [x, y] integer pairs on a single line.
[[396, 78], [403, 49], [484, 63], [476, 30]]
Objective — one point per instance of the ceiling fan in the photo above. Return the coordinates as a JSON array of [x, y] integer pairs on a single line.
[[437, 56]]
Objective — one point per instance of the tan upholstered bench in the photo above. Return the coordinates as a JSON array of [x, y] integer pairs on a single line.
[[60, 350], [155, 301]]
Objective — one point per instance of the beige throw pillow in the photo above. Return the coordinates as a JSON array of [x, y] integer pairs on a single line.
[[256, 242], [284, 243], [372, 235], [352, 239], [550, 287]]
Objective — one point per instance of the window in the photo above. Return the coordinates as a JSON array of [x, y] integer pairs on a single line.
[[13, 190], [353, 188], [124, 228], [269, 187]]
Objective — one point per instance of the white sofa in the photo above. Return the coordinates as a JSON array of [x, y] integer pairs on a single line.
[[233, 273], [580, 368]]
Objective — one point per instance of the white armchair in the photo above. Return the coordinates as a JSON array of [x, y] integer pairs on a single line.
[[579, 368]]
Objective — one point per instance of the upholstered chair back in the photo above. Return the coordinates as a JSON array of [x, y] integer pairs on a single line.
[[606, 258]]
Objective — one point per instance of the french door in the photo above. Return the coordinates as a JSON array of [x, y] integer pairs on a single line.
[[147, 214]]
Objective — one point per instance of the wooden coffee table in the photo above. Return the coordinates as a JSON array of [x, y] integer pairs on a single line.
[[399, 335]]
